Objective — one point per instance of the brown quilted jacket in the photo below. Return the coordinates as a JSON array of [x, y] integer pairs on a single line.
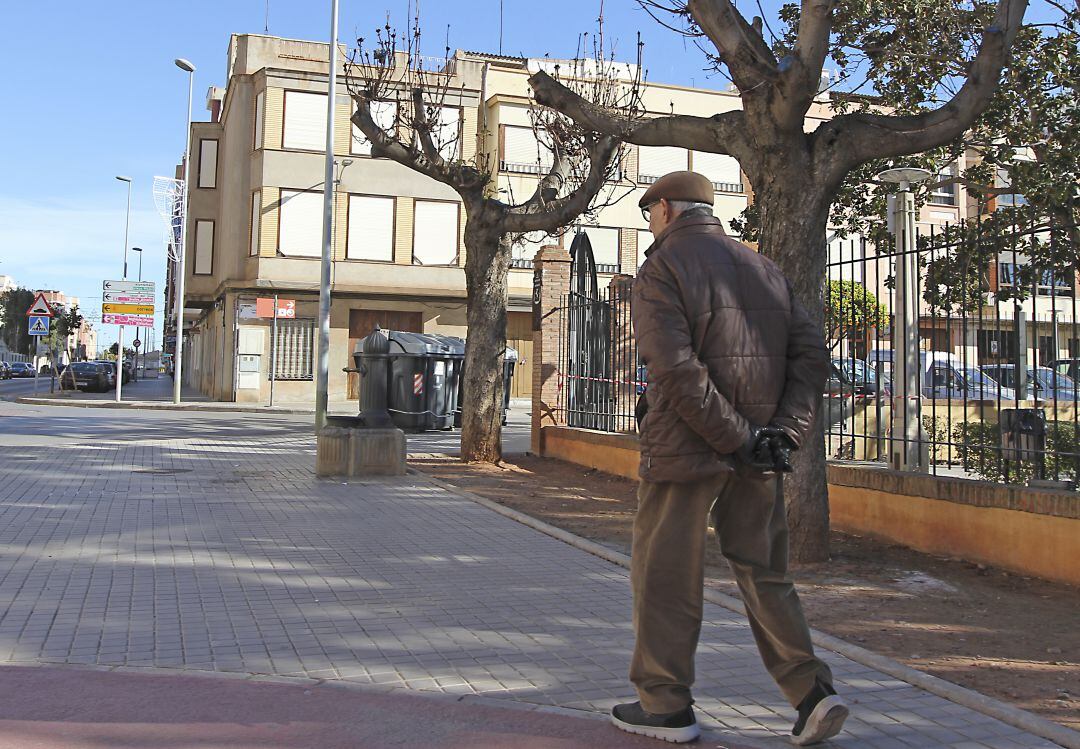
[[725, 345]]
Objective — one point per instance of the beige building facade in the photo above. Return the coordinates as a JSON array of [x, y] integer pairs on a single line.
[[255, 216]]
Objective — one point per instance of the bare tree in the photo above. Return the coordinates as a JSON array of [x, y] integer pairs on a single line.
[[578, 180], [794, 173]]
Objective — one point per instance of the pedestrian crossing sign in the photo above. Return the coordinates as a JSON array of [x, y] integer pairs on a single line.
[[39, 325]]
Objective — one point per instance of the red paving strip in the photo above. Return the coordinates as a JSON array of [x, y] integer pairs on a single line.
[[65, 708]]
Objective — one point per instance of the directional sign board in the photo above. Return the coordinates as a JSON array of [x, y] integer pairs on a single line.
[[40, 308], [122, 298], [139, 321], [128, 309], [39, 325], [133, 287], [286, 308]]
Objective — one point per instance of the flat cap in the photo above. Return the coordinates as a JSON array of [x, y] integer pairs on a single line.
[[689, 186]]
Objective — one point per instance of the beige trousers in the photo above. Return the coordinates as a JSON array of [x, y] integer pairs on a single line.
[[668, 573]]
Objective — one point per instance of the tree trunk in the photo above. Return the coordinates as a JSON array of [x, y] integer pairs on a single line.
[[794, 214], [486, 266]]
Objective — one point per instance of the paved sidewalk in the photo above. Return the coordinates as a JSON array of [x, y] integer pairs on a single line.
[[230, 556]]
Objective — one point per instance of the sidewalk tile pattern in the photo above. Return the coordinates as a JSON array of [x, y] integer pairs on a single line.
[[232, 556]]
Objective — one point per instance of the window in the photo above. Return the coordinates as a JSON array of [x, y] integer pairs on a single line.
[[371, 228], [996, 344], [722, 170], [944, 194], [208, 152], [256, 223], [644, 242], [260, 108], [435, 233], [446, 131], [384, 113], [656, 161], [1007, 200], [305, 121], [525, 247], [300, 223], [293, 347], [523, 153], [605, 247], [204, 248]]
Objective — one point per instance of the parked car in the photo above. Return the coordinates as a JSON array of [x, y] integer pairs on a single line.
[[110, 370], [22, 369], [1043, 383], [863, 377], [90, 376], [5, 371], [945, 375], [1070, 367]]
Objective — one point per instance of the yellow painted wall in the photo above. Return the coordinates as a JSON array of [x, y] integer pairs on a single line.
[[1038, 545]]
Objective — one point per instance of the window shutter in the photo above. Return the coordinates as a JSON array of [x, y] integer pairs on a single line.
[[524, 249], [371, 228], [523, 153], [722, 170], [305, 121], [301, 223], [260, 109], [435, 233], [256, 221], [204, 248], [208, 152], [383, 112], [293, 347], [644, 242], [605, 247], [446, 131], [656, 161]]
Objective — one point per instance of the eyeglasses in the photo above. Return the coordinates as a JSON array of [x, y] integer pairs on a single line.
[[645, 210]]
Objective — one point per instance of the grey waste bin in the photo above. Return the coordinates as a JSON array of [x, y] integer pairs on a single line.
[[1023, 434], [509, 361], [419, 395], [455, 363]]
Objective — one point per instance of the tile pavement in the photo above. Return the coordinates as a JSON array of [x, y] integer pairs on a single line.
[[230, 556]]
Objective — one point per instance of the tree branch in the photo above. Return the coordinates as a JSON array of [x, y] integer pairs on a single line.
[[741, 47], [547, 215], [685, 131], [811, 49], [867, 136]]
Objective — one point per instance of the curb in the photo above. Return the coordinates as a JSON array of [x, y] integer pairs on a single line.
[[156, 406], [968, 698]]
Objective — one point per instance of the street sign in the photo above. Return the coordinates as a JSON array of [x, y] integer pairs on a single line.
[[136, 343], [128, 309], [137, 287], [286, 308], [39, 325], [40, 308], [122, 298], [139, 321]]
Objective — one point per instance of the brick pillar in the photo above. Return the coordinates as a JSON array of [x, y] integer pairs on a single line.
[[623, 352], [551, 283]]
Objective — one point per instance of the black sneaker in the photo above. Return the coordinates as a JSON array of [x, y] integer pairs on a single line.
[[821, 715], [678, 727]]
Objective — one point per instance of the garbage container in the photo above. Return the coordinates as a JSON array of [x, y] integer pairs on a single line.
[[419, 392], [1023, 434]]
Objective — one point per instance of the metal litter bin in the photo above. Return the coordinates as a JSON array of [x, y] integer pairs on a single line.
[[1023, 437], [455, 364], [419, 395], [509, 363]]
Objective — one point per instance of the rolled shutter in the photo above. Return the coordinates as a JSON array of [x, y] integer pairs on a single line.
[[371, 228], [435, 233], [656, 161], [301, 223], [305, 121]]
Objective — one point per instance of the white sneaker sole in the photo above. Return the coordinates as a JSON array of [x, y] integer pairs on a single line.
[[672, 735], [825, 722]]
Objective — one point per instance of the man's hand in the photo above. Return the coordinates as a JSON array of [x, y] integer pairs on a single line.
[[768, 449]]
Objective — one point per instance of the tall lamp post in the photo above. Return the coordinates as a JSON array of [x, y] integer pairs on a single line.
[[120, 338], [137, 342], [178, 349], [322, 382], [908, 433]]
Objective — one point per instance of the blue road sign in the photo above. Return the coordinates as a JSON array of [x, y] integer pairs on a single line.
[[39, 325]]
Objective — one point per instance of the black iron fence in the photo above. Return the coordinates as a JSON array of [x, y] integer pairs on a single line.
[[992, 391]]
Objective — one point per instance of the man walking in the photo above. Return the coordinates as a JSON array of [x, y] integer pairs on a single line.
[[736, 370]]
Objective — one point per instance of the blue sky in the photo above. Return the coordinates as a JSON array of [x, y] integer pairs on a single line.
[[91, 92]]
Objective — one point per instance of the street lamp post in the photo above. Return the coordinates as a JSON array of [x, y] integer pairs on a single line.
[[135, 369], [908, 433], [322, 382], [120, 338], [178, 349]]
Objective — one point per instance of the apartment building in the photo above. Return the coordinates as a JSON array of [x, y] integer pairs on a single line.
[[255, 215]]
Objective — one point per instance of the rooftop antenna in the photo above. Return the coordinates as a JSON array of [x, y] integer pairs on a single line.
[[500, 26], [266, 21]]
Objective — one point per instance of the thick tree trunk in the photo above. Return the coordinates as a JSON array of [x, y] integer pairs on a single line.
[[486, 266], [794, 215]]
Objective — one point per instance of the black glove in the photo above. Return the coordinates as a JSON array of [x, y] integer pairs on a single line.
[[780, 446], [755, 451]]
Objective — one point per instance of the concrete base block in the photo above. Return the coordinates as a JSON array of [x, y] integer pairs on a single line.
[[348, 451]]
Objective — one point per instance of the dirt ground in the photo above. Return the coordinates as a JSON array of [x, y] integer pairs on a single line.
[[1010, 637]]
